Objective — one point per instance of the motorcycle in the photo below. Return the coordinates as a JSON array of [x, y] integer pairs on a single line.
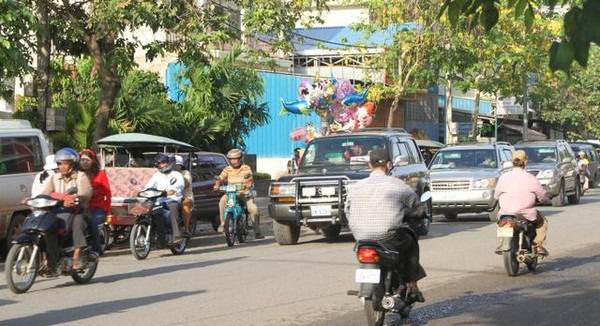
[[27, 257], [382, 289], [152, 225], [517, 246], [235, 216]]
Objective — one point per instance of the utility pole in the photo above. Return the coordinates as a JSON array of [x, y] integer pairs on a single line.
[[449, 123], [494, 107], [525, 110]]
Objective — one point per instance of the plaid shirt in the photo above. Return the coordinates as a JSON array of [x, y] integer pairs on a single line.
[[375, 206]]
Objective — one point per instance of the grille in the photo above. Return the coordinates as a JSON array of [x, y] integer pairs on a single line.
[[450, 185], [534, 172]]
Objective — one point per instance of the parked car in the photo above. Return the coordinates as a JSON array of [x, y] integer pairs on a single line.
[[463, 178], [553, 163], [22, 153], [314, 196], [592, 156]]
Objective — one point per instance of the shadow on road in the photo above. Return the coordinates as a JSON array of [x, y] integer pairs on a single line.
[[74, 314]]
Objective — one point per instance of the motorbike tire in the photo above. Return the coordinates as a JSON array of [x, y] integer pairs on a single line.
[[374, 317], [532, 265], [180, 248], [140, 247], [12, 265], [511, 264], [86, 275], [230, 229], [104, 237], [242, 228]]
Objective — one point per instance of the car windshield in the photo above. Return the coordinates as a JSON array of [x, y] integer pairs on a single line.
[[465, 158], [341, 151], [546, 154]]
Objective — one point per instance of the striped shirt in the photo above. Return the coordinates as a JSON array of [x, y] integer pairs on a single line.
[[375, 206]]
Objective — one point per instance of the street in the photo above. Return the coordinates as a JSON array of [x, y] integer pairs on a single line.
[[262, 283]]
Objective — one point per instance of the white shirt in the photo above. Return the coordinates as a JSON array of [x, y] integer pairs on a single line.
[[171, 181], [38, 187]]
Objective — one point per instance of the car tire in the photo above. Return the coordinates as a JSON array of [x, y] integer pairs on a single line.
[[13, 230], [574, 198], [559, 200], [450, 216], [286, 233], [332, 232]]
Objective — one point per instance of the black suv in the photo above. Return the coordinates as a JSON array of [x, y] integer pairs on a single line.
[[205, 171], [592, 156], [314, 196]]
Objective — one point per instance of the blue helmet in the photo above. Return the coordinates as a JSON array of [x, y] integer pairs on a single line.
[[162, 157], [66, 154]]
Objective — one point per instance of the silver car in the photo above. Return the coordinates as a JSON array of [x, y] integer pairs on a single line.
[[463, 178]]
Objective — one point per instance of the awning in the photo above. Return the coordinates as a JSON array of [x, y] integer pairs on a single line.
[[533, 135], [143, 140]]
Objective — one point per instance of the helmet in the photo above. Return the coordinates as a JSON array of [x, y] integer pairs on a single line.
[[162, 157], [236, 153], [66, 154]]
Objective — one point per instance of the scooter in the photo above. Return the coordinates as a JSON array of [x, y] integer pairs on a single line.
[[27, 257]]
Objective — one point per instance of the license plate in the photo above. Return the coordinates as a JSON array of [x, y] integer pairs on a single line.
[[367, 275], [231, 188], [309, 192], [505, 232], [321, 210]]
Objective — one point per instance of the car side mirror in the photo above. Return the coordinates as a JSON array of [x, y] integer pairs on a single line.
[[567, 160], [507, 164], [426, 196], [401, 160]]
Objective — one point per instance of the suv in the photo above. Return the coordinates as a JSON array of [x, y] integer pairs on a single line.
[[314, 196], [463, 178], [205, 171], [592, 156], [553, 163], [22, 153]]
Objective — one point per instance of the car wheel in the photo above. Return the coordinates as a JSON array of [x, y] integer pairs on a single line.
[[450, 216], [574, 198], [286, 233], [332, 232], [559, 200]]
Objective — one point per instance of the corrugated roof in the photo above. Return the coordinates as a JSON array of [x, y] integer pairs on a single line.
[[337, 37]]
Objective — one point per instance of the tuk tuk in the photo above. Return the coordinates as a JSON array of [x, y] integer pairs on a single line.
[[128, 161]]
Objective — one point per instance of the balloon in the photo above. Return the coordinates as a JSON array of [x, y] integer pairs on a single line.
[[303, 88], [298, 134], [298, 107], [355, 98]]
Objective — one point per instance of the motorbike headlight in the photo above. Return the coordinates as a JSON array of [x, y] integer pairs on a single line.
[[546, 174], [283, 190], [484, 183], [41, 202], [150, 193]]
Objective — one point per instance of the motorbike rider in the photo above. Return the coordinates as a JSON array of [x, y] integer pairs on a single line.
[[239, 173], [187, 203], [376, 208], [67, 177], [99, 205], [516, 193], [166, 179]]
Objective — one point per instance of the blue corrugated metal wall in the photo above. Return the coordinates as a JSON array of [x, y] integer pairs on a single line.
[[273, 140], [467, 104]]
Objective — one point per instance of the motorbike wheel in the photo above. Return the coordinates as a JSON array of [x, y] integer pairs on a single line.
[[18, 277], [230, 229], [374, 317], [85, 275], [104, 237], [511, 264], [140, 246], [242, 228]]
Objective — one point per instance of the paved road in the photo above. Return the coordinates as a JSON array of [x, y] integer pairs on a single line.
[[262, 283]]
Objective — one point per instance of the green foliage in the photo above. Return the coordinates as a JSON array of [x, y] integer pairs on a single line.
[[261, 176]]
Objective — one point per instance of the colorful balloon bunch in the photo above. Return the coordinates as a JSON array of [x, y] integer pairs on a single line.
[[308, 133], [334, 100]]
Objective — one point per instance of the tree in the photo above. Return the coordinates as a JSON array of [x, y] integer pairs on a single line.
[[199, 26], [16, 23], [581, 25]]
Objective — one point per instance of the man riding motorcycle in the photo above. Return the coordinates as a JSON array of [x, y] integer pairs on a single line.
[[166, 179], [375, 209], [239, 173], [516, 193], [67, 177]]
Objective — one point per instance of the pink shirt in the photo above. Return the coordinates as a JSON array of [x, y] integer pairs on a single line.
[[517, 191]]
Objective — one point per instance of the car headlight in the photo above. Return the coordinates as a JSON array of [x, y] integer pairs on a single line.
[[546, 174], [283, 190], [484, 183]]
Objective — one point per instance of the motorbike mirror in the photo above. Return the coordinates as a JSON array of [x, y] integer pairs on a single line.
[[426, 196], [72, 191]]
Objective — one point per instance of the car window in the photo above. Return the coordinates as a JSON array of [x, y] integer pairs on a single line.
[[507, 153], [564, 152], [341, 151], [20, 155], [220, 163], [415, 156], [399, 148], [205, 169], [460, 159], [546, 154]]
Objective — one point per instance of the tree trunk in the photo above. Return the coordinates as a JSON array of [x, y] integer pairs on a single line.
[[110, 83], [393, 108], [449, 135], [43, 61], [475, 117]]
